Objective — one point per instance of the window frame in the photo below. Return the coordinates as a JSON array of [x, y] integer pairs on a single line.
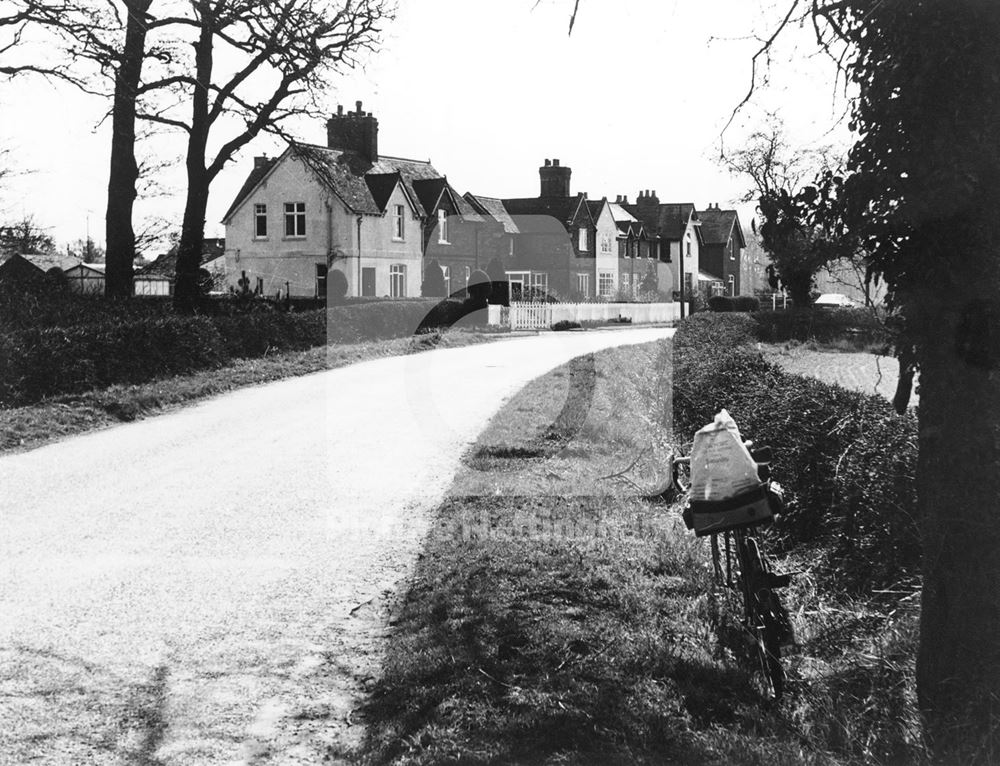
[[583, 284], [259, 217], [443, 227], [583, 239], [295, 213], [605, 277], [399, 223], [397, 280]]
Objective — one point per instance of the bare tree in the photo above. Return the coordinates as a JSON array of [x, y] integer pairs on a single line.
[[101, 48], [285, 53]]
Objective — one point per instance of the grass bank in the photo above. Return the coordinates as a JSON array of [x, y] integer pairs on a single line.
[[558, 616], [58, 417]]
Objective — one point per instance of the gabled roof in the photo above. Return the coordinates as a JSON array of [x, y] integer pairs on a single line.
[[260, 170], [344, 174], [97, 268], [166, 264], [492, 207], [381, 186], [619, 213], [429, 192], [668, 219], [566, 210], [717, 226], [596, 207], [52, 260]]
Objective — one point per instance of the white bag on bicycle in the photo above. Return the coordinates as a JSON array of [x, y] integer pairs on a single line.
[[726, 491]]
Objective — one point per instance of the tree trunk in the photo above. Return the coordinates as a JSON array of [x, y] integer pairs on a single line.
[[124, 170], [186, 291], [958, 486]]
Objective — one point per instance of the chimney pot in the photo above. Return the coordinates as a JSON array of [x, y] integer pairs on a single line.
[[358, 105], [340, 109], [555, 163], [260, 160], [548, 163]]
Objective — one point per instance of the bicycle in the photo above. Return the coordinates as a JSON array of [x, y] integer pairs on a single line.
[[764, 620]]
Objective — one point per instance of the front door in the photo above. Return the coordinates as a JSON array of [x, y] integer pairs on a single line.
[[368, 282]]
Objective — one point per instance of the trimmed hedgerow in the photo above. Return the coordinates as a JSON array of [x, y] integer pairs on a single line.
[[846, 458], [36, 363], [102, 350], [725, 303], [822, 325]]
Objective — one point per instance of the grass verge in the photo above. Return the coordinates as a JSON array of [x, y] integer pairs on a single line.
[[58, 417], [556, 615]]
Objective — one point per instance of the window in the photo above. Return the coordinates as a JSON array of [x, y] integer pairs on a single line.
[[539, 284], [443, 227], [606, 283], [732, 250], [584, 243], [321, 280], [397, 280], [732, 285], [606, 243], [397, 222], [583, 285], [626, 282], [468, 275], [260, 221], [295, 219], [517, 280], [687, 246], [447, 279]]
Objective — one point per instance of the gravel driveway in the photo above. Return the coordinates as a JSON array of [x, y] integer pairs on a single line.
[[203, 587]]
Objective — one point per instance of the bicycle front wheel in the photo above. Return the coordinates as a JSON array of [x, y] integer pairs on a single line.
[[761, 615]]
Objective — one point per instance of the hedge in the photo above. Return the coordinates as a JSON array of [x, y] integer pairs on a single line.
[[127, 345], [846, 459], [724, 303], [822, 325]]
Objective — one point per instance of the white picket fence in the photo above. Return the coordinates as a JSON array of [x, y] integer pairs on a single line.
[[540, 316]]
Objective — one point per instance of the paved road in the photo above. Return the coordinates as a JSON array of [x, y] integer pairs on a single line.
[[197, 587]]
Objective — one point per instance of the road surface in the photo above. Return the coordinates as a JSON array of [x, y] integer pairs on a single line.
[[199, 588]]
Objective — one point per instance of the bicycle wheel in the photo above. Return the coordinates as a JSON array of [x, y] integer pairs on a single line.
[[761, 615]]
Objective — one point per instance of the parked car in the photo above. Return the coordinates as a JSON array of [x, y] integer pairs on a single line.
[[835, 301]]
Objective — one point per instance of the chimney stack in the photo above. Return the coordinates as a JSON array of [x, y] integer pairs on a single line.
[[554, 179], [355, 132], [259, 161]]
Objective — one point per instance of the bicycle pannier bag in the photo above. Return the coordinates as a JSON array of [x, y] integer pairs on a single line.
[[726, 492]]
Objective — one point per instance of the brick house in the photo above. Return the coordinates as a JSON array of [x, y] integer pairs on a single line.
[[677, 244], [455, 233], [722, 247], [558, 249], [341, 206]]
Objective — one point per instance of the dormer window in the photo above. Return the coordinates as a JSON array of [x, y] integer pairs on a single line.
[[584, 241], [442, 227]]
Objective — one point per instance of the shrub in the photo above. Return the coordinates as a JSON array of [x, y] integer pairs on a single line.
[[375, 320], [846, 458], [566, 324], [720, 303], [746, 303], [336, 285]]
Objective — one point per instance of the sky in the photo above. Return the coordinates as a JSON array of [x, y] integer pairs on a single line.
[[636, 98]]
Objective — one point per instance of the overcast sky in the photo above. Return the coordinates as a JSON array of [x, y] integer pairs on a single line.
[[488, 89]]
